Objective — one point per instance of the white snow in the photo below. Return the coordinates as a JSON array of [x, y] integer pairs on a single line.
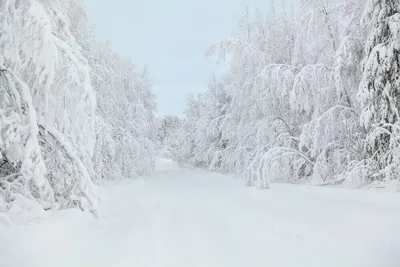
[[188, 217]]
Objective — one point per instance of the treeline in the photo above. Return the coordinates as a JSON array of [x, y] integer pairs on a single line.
[[72, 112], [167, 137], [311, 96]]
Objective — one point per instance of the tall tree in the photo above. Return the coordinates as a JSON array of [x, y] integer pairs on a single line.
[[379, 91]]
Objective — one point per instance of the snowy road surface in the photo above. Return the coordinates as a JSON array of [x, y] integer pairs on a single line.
[[183, 217]]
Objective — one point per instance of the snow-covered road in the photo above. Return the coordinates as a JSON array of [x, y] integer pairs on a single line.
[[188, 217]]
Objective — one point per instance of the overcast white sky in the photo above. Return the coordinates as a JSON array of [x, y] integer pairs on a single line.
[[171, 38]]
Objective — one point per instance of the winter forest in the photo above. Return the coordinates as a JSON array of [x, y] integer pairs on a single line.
[[311, 96], [72, 112], [288, 157]]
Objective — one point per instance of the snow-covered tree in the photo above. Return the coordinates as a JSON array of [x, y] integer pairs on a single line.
[[291, 112], [379, 92], [187, 132], [167, 135], [48, 76], [54, 138], [125, 127]]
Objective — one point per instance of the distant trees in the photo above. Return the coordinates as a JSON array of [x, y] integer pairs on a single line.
[[290, 106], [167, 135], [59, 129], [125, 119]]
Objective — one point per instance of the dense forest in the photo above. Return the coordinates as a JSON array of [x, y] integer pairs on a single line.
[[72, 111], [311, 96]]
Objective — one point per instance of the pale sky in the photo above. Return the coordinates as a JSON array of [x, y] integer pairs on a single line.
[[170, 37]]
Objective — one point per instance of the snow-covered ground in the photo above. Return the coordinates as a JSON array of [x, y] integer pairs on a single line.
[[188, 217]]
